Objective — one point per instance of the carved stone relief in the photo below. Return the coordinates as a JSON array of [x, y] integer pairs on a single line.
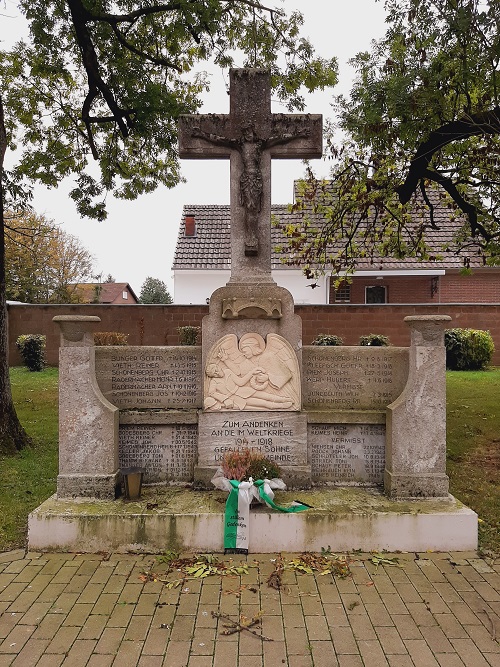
[[251, 374]]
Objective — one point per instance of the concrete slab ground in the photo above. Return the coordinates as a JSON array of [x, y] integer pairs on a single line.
[[180, 518], [110, 610]]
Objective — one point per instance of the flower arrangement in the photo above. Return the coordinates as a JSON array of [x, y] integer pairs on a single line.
[[243, 464]]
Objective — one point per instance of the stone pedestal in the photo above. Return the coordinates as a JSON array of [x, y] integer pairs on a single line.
[[416, 421], [88, 423]]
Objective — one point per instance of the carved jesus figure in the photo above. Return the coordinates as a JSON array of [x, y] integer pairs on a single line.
[[250, 148]]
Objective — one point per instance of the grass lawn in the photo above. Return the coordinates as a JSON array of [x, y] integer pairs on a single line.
[[473, 451]]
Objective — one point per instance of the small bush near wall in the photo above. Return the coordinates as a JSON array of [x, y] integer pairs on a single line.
[[376, 340], [110, 338], [32, 349], [468, 349], [188, 335], [327, 339]]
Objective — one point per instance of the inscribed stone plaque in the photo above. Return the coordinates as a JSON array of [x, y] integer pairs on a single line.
[[279, 436], [167, 453], [346, 453], [352, 378], [150, 377]]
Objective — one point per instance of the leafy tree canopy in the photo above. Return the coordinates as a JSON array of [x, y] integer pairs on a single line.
[[108, 80], [42, 262], [421, 125], [154, 290]]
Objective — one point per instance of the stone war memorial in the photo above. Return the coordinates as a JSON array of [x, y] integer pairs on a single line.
[[358, 432]]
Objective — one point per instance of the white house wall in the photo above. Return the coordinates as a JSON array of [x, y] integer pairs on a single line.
[[195, 286]]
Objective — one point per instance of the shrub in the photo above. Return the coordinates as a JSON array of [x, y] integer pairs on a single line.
[[327, 339], [32, 349], [110, 338], [243, 463], [468, 349], [375, 340], [188, 335]]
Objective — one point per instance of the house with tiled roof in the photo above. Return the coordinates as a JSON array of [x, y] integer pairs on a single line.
[[202, 263], [108, 293]]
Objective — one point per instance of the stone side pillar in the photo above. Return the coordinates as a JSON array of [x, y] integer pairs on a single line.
[[416, 421], [88, 423]]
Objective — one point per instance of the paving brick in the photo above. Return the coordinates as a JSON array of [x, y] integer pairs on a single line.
[[31, 653], [156, 641], [120, 616], [225, 654], [128, 654], [50, 660], [138, 628], [335, 615], [349, 661], [183, 628], [93, 627], [150, 661], [482, 638], [205, 661], [36, 613], [420, 614], [344, 640], [390, 640], [469, 652], [49, 626], [436, 639], [17, 638], [64, 603], [79, 653], [9, 556], [372, 653], [450, 626], [449, 660], [406, 626], [177, 654], [78, 614], [146, 604], [296, 640], [100, 660], [63, 640], [379, 615], [323, 654], [420, 653], [203, 642], [105, 604], [110, 640]]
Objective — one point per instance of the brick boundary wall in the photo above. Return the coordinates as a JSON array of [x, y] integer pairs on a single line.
[[157, 325]]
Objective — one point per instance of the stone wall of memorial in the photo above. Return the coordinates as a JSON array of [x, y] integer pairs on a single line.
[[157, 325]]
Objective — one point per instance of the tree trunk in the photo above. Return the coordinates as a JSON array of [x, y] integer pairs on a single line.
[[12, 435]]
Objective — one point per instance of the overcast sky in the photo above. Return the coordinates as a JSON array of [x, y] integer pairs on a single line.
[[138, 238]]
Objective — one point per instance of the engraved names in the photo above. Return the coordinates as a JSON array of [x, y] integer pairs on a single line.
[[352, 378], [150, 377], [166, 452], [343, 453]]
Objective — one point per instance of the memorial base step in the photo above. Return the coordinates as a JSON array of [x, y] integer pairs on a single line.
[[182, 519]]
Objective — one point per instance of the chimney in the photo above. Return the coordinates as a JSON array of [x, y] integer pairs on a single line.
[[190, 226]]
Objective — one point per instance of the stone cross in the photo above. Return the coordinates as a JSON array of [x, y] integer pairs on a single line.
[[250, 135]]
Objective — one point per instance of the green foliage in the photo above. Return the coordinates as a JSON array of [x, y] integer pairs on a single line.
[[110, 338], [43, 263], [421, 131], [107, 83], [468, 349], [376, 340], [154, 290], [29, 477], [188, 335], [32, 349], [327, 339]]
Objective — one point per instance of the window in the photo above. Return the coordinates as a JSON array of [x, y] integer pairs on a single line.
[[376, 294], [343, 293], [125, 295]]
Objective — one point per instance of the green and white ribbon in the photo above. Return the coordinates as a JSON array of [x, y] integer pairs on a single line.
[[237, 516], [260, 484]]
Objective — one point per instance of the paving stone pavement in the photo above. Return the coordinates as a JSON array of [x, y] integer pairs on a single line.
[[107, 610]]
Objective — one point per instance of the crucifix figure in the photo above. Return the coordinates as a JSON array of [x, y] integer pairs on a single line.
[[250, 136]]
